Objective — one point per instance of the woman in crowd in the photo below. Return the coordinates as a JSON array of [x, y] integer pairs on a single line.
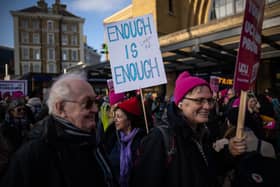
[[129, 123]]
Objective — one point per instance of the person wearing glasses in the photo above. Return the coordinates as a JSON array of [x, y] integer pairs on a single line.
[[62, 150], [13, 131], [191, 161]]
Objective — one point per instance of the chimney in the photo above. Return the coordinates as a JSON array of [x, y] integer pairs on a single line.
[[57, 7], [43, 5]]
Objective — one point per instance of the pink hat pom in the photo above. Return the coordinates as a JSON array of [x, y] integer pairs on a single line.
[[115, 98]]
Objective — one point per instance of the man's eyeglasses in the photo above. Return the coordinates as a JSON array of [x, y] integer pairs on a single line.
[[202, 101], [87, 104]]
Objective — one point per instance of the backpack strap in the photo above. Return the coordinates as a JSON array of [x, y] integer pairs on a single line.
[[169, 141]]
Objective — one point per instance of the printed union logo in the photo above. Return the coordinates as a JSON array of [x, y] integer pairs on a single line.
[[257, 177], [243, 68]]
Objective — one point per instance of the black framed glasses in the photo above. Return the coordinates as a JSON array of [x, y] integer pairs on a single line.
[[86, 104], [202, 101]]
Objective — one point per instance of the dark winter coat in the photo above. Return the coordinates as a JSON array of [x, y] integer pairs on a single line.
[[189, 167], [57, 155]]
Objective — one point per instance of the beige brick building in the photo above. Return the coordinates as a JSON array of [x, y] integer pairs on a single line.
[[47, 39]]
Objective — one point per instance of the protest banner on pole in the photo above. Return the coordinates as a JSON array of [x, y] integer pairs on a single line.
[[214, 83], [135, 55], [248, 59], [13, 88]]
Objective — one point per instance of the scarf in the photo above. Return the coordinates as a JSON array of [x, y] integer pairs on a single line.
[[125, 156], [72, 134]]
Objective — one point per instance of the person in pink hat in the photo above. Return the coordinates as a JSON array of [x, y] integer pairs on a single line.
[[188, 159]]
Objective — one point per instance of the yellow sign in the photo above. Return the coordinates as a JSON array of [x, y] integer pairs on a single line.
[[225, 81]]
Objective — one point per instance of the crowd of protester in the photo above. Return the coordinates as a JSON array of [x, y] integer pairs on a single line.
[[79, 138]]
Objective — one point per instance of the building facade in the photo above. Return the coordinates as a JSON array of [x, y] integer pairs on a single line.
[[46, 39], [202, 36]]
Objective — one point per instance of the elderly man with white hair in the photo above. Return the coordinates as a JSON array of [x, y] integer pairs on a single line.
[[63, 149]]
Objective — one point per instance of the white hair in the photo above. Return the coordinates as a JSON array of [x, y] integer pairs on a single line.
[[61, 88]]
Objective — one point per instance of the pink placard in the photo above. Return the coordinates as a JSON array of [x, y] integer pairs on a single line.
[[248, 59]]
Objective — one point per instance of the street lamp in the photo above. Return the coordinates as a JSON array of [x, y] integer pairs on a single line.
[[105, 51]]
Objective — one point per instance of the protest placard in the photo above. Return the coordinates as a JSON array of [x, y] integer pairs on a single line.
[[214, 83], [135, 55], [248, 59], [14, 88]]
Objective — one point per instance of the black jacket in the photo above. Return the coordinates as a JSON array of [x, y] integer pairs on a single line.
[[58, 154], [189, 167]]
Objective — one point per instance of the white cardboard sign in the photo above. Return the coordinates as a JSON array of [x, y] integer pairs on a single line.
[[135, 55]]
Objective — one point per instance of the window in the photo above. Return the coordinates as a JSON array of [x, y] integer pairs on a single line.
[[224, 8], [74, 40], [64, 54], [270, 1], [51, 68], [35, 24], [64, 27], [37, 67], [25, 67], [240, 5], [51, 54], [74, 56], [170, 6], [36, 38], [50, 38], [229, 7], [25, 53], [64, 39], [24, 24], [74, 28], [36, 54], [25, 37], [50, 25]]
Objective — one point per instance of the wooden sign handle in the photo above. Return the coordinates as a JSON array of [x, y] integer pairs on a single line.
[[241, 114], [144, 110]]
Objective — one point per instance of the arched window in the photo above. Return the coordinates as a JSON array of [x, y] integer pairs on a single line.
[[224, 8]]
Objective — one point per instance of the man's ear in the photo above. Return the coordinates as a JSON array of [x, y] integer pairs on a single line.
[[59, 107]]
